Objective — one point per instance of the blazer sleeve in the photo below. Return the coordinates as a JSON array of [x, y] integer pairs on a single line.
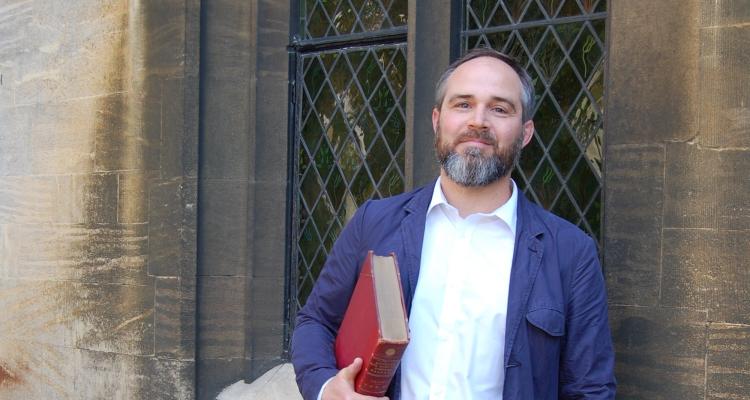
[[587, 360], [318, 321]]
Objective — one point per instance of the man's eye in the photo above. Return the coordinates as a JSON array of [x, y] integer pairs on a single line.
[[462, 105], [500, 110]]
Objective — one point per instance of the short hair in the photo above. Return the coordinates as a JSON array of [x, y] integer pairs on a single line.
[[527, 92]]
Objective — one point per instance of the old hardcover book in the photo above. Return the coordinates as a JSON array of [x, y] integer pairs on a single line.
[[374, 327]]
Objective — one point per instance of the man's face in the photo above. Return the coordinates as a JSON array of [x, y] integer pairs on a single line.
[[479, 131]]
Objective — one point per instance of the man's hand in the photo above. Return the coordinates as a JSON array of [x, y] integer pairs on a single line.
[[341, 387]]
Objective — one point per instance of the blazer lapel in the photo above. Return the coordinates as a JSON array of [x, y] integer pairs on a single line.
[[412, 232], [527, 259]]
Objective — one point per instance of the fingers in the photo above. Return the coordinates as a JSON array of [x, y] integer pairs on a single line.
[[350, 371], [342, 385]]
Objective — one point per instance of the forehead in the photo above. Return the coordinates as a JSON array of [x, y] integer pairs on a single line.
[[484, 76]]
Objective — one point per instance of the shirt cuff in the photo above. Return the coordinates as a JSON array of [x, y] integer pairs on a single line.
[[322, 388]]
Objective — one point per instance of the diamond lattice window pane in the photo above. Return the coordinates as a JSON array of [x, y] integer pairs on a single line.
[[330, 18], [561, 45], [586, 54], [350, 143], [548, 56], [569, 9], [533, 12], [515, 8]]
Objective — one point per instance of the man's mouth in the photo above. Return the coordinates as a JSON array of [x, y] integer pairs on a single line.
[[477, 138]]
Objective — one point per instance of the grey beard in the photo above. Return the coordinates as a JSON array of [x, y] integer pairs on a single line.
[[472, 169]]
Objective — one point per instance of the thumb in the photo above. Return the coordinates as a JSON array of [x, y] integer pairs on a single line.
[[350, 371]]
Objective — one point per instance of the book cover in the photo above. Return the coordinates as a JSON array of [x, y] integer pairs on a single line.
[[375, 326]]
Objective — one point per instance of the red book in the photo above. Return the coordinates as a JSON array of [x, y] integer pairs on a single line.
[[374, 327]]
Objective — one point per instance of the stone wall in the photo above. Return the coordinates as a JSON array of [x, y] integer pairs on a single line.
[[98, 168], [677, 212], [242, 190]]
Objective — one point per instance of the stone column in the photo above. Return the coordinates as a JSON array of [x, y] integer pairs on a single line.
[[428, 53], [677, 200]]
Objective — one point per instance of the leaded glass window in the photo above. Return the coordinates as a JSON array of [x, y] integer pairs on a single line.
[[561, 44], [349, 122]]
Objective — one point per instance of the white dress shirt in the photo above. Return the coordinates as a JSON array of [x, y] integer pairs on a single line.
[[457, 319]]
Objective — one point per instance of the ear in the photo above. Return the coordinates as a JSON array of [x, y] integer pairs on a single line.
[[435, 120], [528, 132]]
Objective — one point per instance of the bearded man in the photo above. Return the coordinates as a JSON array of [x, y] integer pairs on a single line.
[[505, 300]]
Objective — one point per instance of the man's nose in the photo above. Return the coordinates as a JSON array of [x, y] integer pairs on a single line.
[[478, 118]]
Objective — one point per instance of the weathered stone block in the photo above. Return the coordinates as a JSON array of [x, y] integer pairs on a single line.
[[118, 376], [215, 374], [32, 313], [175, 315], [15, 138], [99, 197], [224, 226], [78, 53], [728, 367], [119, 143], [173, 129], [106, 317], [164, 40], [165, 223], [647, 101], [725, 86], [724, 12], [633, 208], [188, 232], [28, 199], [87, 199], [266, 318], [151, 127], [221, 317], [8, 74], [112, 318], [226, 148], [32, 250], [132, 197], [228, 28], [691, 186], [734, 190], [62, 136], [36, 370], [168, 379], [175, 318], [167, 328], [707, 269], [270, 229], [40, 371], [105, 254], [660, 352]]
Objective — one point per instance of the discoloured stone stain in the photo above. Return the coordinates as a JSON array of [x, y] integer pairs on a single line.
[[7, 378], [78, 305]]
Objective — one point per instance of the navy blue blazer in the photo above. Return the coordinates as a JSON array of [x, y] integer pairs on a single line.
[[557, 341]]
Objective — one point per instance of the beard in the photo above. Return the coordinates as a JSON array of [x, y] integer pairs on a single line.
[[472, 168]]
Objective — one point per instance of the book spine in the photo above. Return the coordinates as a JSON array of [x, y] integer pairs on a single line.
[[377, 375]]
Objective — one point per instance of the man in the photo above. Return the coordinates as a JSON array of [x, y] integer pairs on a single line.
[[505, 300]]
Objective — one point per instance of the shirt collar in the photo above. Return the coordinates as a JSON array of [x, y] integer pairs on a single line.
[[507, 212]]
